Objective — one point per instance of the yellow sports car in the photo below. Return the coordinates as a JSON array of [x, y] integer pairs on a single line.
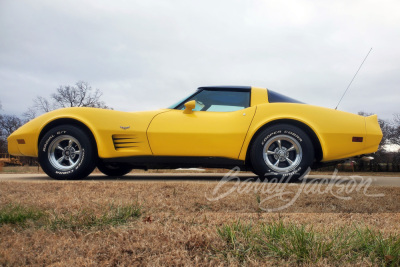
[[221, 126]]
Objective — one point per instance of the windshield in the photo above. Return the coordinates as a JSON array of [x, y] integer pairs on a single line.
[[184, 100], [217, 100]]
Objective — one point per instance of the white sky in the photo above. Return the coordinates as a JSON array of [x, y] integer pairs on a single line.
[[148, 54]]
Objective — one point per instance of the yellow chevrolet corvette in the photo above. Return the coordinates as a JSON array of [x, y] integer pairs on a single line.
[[221, 126]]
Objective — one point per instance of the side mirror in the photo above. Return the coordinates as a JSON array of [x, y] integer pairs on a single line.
[[189, 106]]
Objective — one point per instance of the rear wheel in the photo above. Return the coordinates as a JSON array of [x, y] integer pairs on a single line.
[[281, 150], [66, 152], [113, 169]]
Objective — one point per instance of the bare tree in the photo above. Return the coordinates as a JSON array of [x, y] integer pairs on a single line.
[[395, 136], [397, 118], [8, 124], [30, 114], [42, 104], [3, 144], [79, 95], [387, 131]]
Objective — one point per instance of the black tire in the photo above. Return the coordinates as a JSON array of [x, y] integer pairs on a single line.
[[113, 169], [281, 151], [67, 153]]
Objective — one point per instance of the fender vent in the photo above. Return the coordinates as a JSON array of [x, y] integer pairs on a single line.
[[125, 141]]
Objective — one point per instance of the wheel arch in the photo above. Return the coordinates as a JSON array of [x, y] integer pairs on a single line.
[[68, 121], [318, 153]]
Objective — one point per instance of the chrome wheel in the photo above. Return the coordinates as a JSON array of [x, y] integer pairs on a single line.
[[64, 153], [282, 153]]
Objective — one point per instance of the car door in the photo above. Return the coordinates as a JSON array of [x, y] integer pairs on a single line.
[[216, 127]]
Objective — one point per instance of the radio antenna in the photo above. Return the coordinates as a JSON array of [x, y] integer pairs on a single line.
[[353, 78]]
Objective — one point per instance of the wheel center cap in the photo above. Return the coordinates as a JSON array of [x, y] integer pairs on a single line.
[[281, 154], [69, 152]]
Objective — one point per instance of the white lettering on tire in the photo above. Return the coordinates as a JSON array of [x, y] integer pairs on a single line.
[[294, 135], [47, 142], [269, 136]]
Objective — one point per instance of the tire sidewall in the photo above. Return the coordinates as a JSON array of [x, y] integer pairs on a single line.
[[113, 169], [257, 158], [87, 160]]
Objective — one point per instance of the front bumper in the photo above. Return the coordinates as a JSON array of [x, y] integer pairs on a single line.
[[27, 147], [13, 147]]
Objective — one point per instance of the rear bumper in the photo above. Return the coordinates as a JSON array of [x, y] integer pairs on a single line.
[[339, 143], [373, 134]]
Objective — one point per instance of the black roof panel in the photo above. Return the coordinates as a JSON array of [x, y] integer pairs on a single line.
[[274, 97], [226, 87]]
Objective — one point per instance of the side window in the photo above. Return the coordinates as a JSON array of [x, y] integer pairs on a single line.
[[220, 101]]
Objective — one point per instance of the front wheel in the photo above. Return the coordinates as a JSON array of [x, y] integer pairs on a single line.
[[281, 151], [67, 153], [113, 169]]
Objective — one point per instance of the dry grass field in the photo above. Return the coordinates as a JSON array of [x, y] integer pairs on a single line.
[[114, 223]]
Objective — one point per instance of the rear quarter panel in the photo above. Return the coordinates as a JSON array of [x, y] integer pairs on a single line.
[[333, 128]]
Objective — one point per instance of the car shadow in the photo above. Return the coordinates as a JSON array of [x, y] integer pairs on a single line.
[[171, 177], [197, 177]]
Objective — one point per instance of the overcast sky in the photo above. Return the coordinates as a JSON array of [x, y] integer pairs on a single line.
[[148, 54]]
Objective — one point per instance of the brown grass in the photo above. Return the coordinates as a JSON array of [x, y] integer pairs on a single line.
[[178, 225]]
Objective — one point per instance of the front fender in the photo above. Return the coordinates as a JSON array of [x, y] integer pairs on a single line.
[[103, 124]]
